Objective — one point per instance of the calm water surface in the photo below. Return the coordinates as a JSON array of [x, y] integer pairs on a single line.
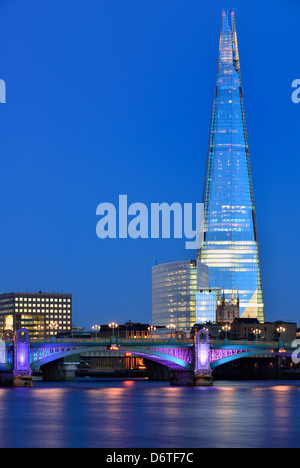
[[138, 413]]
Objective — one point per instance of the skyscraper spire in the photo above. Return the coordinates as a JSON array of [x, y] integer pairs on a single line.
[[230, 247], [225, 51], [235, 47]]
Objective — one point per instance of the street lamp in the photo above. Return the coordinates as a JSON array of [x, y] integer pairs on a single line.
[[257, 332], [151, 329], [53, 326], [96, 328], [113, 325], [226, 329], [281, 330], [171, 327], [39, 328]]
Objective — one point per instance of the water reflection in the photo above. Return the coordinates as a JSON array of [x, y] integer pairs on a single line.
[[103, 413]]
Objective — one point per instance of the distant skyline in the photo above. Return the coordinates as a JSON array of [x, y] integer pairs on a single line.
[[115, 98]]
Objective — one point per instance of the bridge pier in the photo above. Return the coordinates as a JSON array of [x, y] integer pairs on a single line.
[[59, 371], [203, 380], [23, 380], [157, 372], [22, 371], [203, 372]]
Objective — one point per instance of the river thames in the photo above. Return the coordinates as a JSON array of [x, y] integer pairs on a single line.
[[112, 413]]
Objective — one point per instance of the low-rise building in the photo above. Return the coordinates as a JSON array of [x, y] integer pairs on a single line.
[[42, 314], [252, 329], [214, 329]]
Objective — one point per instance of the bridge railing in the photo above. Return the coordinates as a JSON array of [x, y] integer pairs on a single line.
[[259, 344], [107, 341]]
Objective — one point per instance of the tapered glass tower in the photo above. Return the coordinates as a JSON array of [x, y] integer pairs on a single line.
[[230, 248]]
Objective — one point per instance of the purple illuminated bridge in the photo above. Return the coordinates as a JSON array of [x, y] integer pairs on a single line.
[[191, 361]]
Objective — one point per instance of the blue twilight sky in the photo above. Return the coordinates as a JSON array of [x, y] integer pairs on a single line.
[[114, 97]]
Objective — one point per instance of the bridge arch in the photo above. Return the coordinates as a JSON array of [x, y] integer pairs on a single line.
[[166, 360], [243, 355]]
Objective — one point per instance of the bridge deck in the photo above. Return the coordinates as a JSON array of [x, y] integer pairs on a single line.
[[215, 344]]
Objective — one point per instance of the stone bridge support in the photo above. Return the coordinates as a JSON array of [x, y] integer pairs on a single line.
[[59, 371], [157, 372], [203, 372], [22, 370]]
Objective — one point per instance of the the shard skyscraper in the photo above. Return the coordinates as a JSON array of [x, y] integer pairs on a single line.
[[230, 246]]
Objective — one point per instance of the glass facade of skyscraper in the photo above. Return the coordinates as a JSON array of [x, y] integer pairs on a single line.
[[174, 287], [230, 246], [206, 305]]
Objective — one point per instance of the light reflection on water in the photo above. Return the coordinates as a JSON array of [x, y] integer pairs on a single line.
[[115, 413]]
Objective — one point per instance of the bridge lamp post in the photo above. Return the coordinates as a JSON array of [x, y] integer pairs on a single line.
[[172, 327], [281, 331], [53, 326], [113, 325], [226, 329], [39, 329], [96, 328], [151, 329], [257, 332]]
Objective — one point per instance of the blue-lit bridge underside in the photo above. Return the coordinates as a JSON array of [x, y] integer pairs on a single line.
[[175, 358]]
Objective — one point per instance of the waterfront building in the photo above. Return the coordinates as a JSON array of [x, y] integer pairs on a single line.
[[116, 364], [42, 314], [214, 329], [165, 333], [252, 329], [130, 330], [230, 247], [174, 287]]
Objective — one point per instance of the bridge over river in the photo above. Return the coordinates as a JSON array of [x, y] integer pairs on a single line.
[[191, 362]]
